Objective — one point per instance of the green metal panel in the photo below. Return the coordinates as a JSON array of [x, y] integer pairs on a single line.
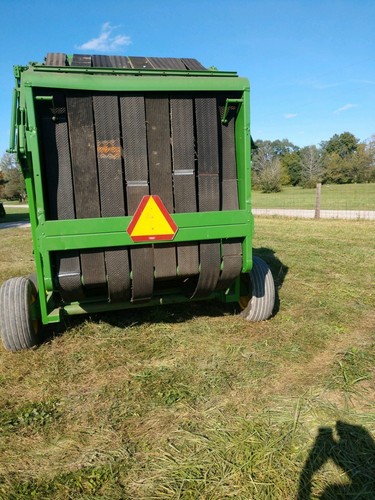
[[95, 239], [107, 82], [243, 151], [32, 169]]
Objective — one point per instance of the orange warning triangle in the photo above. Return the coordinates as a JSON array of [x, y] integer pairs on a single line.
[[151, 221]]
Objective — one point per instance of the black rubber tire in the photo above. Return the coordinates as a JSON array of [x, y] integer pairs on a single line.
[[262, 292], [32, 277], [18, 330]]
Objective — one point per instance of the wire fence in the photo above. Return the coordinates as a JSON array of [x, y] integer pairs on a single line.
[[322, 214], [354, 202]]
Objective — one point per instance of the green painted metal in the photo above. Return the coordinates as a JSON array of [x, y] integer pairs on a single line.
[[107, 80], [174, 297], [123, 71], [13, 123], [50, 236], [227, 103]]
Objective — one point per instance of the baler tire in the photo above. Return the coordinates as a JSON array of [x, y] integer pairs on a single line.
[[33, 278], [261, 298], [17, 327]]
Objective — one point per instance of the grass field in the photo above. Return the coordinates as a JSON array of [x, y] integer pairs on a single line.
[[193, 402], [333, 197]]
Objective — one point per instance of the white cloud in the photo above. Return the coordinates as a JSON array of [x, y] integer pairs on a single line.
[[344, 108], [323, 86], [366, 82], [105, 42], [288, 116], [316, 84]]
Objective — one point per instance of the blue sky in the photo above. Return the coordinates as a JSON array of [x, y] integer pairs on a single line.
[[310, 62]]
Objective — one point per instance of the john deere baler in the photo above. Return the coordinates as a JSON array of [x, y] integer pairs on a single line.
[[138, 180]]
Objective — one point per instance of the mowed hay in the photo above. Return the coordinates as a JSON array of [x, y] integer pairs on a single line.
[[194, 402]]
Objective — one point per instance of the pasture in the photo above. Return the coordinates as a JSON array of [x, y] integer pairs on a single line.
[[333, 197], [192, 401]]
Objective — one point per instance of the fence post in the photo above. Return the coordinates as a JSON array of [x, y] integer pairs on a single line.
[[317, 201]]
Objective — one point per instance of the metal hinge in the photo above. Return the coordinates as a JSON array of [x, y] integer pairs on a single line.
[[226, 108]]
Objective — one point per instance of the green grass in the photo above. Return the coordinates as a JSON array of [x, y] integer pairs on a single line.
[[333, 197], [192, 401]]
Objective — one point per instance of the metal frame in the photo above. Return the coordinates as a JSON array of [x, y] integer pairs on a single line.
[[50, 236]]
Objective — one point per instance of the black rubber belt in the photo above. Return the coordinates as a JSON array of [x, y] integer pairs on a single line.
[[208, 189], [193, 64], [140, 63], [108, 150], [137, 62], [167, 63], [85, 180], [60, 188], [101, 61], [108, 147], [81, 60], [110, 62], [160, 172], [60, 195], [185, 197], [136, 174], [119, 62], [56, 59], [231, 249]]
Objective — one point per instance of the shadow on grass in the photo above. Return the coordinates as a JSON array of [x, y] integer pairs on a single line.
[[16, 217], [177, 313], [128, 318], [353, 450]]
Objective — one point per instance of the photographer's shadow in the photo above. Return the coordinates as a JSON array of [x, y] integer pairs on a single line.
[[353, 450]]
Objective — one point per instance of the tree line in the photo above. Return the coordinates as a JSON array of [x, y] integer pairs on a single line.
[[12, 184], [343, 159]]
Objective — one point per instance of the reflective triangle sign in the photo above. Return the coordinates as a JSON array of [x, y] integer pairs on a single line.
[[151, 221]]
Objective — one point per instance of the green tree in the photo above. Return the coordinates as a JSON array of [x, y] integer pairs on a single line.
[[291, 164], [370, 150], [15, 186], [332, 165], [5, 163], [343, 144], [268, 163], [13, 182], [2, 183], [283, 147], [342, 159], [347, 160], [355, 167], [276, 148], [359, 165]]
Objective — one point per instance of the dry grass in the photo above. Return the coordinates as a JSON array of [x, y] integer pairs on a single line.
[[16, 257], [192, 401]]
